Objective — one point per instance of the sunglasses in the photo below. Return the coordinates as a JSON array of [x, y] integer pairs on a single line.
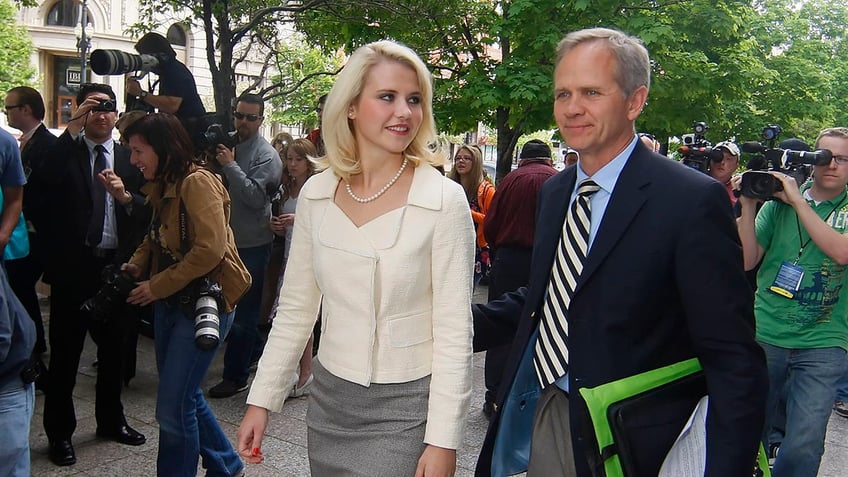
[[249, 117]]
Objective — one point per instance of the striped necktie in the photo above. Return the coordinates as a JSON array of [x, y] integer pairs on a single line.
[[551, 354]]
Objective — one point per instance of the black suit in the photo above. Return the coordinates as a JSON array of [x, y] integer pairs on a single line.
[[663, 282], [74, 272], [25, 272]]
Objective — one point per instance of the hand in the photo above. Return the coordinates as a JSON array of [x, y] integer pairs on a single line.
[[287, 219], [85, 108], [141, 295], [224, 155], [132, 269], [790, 194], [114, 186], [277, 225], [250, 432], [133, 88], [748, 203], [436, 462]]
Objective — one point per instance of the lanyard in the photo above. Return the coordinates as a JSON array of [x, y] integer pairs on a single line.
[[800, 240]]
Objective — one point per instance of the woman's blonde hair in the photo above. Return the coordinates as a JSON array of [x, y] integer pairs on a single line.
[[337, 130]]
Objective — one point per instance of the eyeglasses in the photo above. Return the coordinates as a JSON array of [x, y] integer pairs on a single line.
[[9, 108], [463, 158], [841, 160], [249, 117]]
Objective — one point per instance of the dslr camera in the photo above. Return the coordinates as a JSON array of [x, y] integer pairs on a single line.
[[216, 134], [117, 286], [758, 183], [696, 152]]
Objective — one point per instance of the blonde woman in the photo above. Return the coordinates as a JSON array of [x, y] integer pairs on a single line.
[[385, 244]]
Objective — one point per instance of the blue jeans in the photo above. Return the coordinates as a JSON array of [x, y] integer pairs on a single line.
[[809, 378], [244, 337], [842, 388], [15, 414], [187, 426]]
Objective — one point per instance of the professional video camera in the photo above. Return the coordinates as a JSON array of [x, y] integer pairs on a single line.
[[117, 286], [758, 183], [696, 152]]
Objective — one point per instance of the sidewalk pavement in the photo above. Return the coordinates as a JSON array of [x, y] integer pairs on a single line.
[[284, 445]]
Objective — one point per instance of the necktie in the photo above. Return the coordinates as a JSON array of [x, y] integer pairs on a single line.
[[551, 353], [98, 199]]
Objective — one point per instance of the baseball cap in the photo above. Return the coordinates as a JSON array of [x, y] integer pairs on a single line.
[[731, 147]]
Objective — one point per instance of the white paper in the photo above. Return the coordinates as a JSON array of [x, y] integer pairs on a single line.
[[688, 455]]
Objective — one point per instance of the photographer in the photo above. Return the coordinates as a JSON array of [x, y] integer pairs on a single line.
[[189, 240], [177, 88], [252, 169], [801, 300], [98, 216], [723, 169]]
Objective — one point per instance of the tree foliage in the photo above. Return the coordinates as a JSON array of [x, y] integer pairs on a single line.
[[235, 31], [736, 64], [493, 60], [304, 74], [15, 50]]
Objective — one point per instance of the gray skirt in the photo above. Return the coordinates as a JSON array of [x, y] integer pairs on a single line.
[[372, 431]]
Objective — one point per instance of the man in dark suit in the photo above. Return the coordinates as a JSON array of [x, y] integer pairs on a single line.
[[662, 282], [25, 111], [99, 217]]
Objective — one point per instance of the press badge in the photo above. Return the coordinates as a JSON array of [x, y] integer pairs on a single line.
[[788, 280]]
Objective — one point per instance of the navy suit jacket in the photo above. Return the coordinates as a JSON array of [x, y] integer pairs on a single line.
[[663, 282]]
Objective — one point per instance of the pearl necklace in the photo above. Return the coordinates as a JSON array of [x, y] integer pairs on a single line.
[[365, 200]]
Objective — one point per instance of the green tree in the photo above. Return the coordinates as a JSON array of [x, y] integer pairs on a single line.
[[493, 60], [305, 73], [15, 50], [235, 31]]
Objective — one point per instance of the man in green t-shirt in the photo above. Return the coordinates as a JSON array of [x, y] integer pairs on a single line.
[[801, 303]]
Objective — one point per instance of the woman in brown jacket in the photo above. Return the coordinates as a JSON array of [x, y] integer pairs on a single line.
[[188, 247]]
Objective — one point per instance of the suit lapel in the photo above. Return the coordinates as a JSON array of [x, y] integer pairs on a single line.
[[549, 230], [626, 200]]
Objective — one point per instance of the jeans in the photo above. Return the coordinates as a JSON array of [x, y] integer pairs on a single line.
[[187, 426], [842, 388], [809, 378], [245, 337], [16, 407]]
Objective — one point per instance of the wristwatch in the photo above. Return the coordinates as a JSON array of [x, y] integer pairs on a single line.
[[141, 96]]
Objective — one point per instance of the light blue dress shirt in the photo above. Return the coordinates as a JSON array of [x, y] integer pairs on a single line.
[[606, 178]]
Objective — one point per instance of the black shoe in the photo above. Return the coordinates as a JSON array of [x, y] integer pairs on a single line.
[[62, 453], [226, 388], [124, 435]]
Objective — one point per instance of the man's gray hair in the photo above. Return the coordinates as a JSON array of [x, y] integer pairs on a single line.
[[633, 66]]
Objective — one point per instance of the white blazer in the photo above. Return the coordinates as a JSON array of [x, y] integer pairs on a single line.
[[396, 296]]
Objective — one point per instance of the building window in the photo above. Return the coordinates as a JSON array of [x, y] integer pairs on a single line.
[[176, 35], [65, 13]]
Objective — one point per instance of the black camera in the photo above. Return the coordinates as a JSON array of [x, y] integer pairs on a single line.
[[696, 152], [117, 286], [106, 105], [216, 134], [207, 321]]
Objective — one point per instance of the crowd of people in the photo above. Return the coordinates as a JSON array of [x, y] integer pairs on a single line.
[[341, 266]]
